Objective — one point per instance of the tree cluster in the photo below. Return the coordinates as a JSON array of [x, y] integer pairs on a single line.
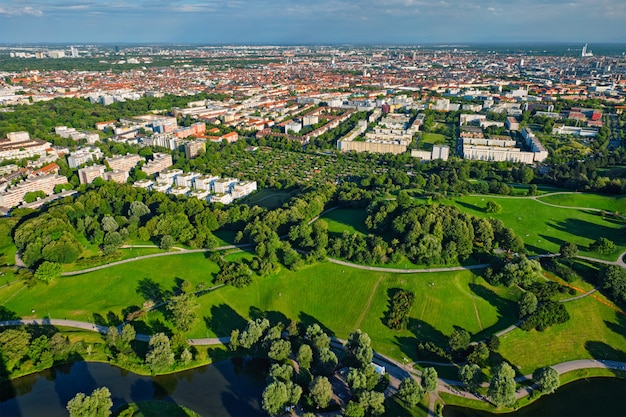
[[399, 308]]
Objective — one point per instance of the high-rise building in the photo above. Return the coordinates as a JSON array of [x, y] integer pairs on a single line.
[[88, 174]]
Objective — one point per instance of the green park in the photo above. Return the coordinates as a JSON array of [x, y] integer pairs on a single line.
[[341, 297]]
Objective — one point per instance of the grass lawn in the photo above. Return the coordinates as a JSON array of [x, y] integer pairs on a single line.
[[601, 202], [155, 409], [427, 141], [594, 331], [108, 290], [545, 228], [270, 198], [352, 220]]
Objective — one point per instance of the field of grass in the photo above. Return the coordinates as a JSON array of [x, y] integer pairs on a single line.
[[352, 220], [270, 198], [427, 141], [594, 331], [108, 290], [544, 228], [601, 202]]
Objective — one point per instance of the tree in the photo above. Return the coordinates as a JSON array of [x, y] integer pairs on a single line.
[[471, 376], [354, 409], [547, 379], [327, 361], [502, 386], [279, 350], [603, 246], [182, 309], [31, 196], [160, 356], [127, 335], [568, 250], [167, 241], [479, 354], [429, 379], [362, 379], [13, 347], [98, 404], [373, 402], [318, 338], [109, 224], [186, 356], [48, 271], [493, 343], [305, 357], [278, 394], [275, 397], [410, 392], [321, 391], [359, 346], [459, 339], [526, 305], [612, 280], [493, 207]]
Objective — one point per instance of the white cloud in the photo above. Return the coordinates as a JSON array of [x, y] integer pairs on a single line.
[[20, 11]]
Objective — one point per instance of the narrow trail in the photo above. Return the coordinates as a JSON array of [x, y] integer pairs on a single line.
[[368, 305]]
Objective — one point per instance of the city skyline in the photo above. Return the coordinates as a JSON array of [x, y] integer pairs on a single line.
[[324, 21]]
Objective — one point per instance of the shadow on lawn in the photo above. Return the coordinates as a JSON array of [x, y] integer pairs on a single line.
[[585, 229], [602, 351], [307, 320], [505, 308], [224, 319], [471, 206], [423, 333]]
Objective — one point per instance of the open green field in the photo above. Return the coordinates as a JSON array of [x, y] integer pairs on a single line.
[[584, 200], [340, 220], [595, 331], [427, 141], [108, 290], [270, 198], [545, 228]]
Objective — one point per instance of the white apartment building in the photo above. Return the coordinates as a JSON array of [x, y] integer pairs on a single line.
[[116, 175], [160, 162], [144, 183], [205, 182], [178, 190], [169, 175], [84, 155], [19, 145], [88, 174], [200, 194], [14, 196], [224, 185], [243, 188], [123, 162], [221, 198], [186, 179]]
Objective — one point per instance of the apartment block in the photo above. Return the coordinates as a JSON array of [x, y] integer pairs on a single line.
[[116, 175], [243, 188], [14, 196], [84, 155], [19, 145], [160, 162], [194, 148], [205, 182], [123, 162], [223, 185], [186, 179], [88, 174]]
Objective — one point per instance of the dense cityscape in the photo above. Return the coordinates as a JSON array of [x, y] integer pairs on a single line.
[[375, 230]]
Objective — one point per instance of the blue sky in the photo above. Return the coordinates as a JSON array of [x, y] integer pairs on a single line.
[[312, 21]]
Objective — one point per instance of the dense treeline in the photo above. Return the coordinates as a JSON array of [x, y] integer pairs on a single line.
[[106, 215], [399, 308], [425, 234]]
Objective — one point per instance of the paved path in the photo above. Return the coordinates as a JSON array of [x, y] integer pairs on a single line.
[[405, 271], [180, 251]]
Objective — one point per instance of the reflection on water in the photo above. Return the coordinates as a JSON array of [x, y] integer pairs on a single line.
[[228, 388], [598, 397]]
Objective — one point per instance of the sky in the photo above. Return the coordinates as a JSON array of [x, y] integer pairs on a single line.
[[312, 21]]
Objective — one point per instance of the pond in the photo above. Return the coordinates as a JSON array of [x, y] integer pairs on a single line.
[[598, 397], [229, 388]]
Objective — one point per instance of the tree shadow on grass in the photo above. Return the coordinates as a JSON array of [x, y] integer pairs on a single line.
[[506, 310], [471, 206], [586, 229], [6, 314], [274, 317], [308, 320], [223, 320], [604, 352], [424, 334], [151, 290], [619, 327]]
